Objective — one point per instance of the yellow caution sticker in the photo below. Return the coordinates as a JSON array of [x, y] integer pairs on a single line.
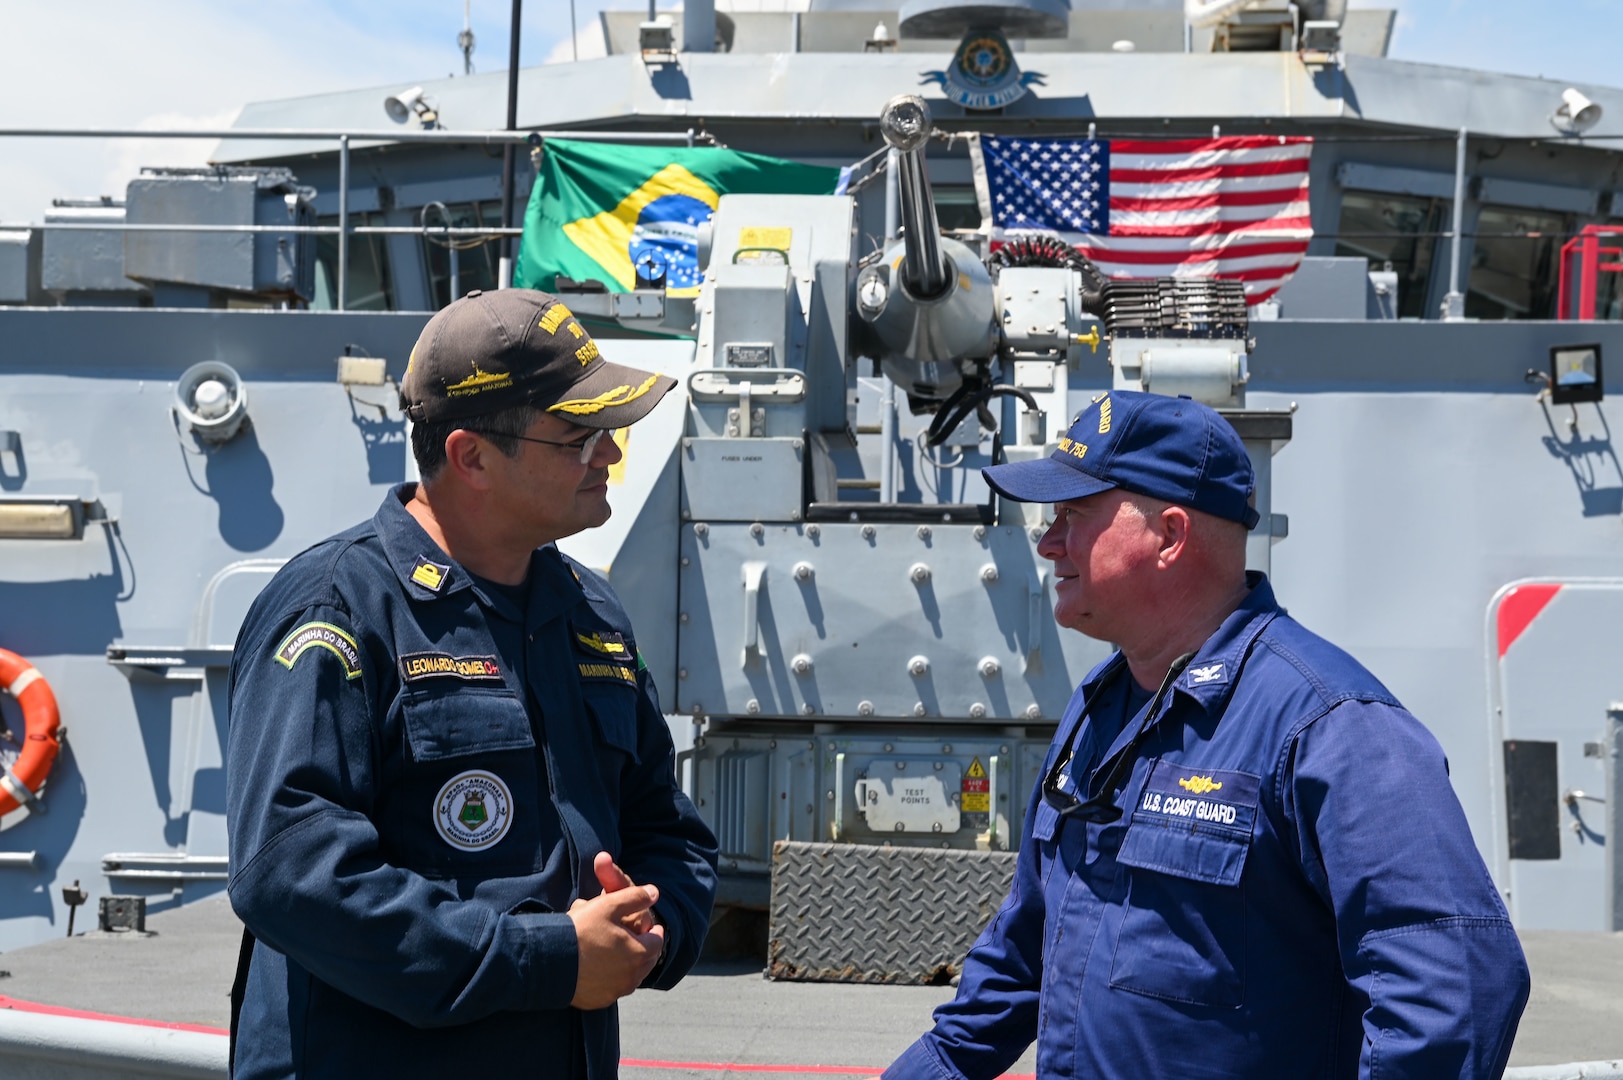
[[975, 795], [765, 236]]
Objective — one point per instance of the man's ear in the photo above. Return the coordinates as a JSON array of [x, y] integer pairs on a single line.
[[1173, 528], [467, 456]]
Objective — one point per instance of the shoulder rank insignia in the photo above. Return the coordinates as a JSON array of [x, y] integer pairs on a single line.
[[430, 575], [321, 635]]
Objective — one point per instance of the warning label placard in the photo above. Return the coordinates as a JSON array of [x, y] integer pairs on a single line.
[[976, 794]]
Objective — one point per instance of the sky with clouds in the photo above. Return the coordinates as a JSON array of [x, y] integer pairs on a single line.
[[194, 63]]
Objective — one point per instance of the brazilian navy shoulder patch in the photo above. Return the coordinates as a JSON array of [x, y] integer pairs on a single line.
[[430, 575], [325, 636], [415, 667]]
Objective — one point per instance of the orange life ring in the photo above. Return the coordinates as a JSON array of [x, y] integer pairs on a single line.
[[41, 721]]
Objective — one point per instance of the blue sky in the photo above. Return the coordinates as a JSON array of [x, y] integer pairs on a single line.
[[175, 63], [1574, 40]]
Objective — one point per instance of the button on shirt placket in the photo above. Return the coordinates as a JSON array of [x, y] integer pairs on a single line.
[[1089, 888], [562, 714], [550, 717]]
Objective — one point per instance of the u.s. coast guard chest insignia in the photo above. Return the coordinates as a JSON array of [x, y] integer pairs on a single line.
[[1181, 795], [473, 811]]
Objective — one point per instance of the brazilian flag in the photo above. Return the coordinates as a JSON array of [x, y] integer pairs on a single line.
[[597, 209]]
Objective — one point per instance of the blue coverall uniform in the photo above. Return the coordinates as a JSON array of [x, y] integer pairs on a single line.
[[1292, 891], [419, 776]]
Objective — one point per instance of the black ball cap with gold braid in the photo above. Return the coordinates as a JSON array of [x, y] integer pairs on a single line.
[[490, 351]]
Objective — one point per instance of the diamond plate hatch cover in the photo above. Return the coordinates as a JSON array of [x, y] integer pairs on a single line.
[[866, 914]]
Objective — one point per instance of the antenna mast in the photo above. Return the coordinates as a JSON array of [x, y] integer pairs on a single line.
[[464, 40]]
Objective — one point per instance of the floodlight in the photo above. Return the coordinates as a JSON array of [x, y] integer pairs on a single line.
[[1575, 374], [1576, 114]]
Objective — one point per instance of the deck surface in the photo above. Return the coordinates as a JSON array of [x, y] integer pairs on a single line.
[[726, 1013]]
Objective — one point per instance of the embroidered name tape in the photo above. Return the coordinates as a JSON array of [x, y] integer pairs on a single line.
[[610, 672], [1178, 794], [415, 667], [320, 635]]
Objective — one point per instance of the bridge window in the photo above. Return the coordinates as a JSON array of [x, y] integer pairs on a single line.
[[955, 205], [1515, 263], [476, 258], [1397, 229], [369, 286]]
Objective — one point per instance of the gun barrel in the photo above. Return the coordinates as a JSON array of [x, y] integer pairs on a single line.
[[905, 123]]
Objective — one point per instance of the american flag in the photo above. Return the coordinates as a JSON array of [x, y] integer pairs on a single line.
[[1233, 207]]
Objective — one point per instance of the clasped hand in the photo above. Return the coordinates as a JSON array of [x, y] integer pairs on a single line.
[[618, 936]]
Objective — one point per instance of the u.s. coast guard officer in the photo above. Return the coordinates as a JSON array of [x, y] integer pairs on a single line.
[[1244, 858], [455, 830]]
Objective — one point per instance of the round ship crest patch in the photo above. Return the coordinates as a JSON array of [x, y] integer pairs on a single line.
[[473, 810]]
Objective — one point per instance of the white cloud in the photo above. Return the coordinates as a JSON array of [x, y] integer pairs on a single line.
[[179, 63], [587, 45], [127, 156]]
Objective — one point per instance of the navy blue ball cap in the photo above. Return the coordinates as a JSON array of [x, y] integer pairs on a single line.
[[1173, 449]]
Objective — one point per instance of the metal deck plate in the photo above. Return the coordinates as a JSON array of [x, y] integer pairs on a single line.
[[865, 914]]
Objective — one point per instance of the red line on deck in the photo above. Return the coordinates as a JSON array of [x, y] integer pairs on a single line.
[[80, 1014], [630, 1063]]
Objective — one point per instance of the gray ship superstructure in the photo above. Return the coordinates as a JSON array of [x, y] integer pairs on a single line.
[[854, 640]]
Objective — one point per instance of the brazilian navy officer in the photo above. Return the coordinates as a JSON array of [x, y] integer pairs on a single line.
[[1243, 857], [455, 829]]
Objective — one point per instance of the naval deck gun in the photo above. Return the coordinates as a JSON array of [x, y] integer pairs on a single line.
[[872, 674]]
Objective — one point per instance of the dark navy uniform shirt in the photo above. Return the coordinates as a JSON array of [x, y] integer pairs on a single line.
[[420, 772], [1291, 892]]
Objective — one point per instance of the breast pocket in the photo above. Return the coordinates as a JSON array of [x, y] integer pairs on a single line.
[[468, 803], [606, 665], [466, 722], [1182, 935], [613, 708]]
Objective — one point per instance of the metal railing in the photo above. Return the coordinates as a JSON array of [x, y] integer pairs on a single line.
[[345, 140]]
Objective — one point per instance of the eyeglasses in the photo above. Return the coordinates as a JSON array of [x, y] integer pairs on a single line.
[[1100, 804], [586, 446]]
